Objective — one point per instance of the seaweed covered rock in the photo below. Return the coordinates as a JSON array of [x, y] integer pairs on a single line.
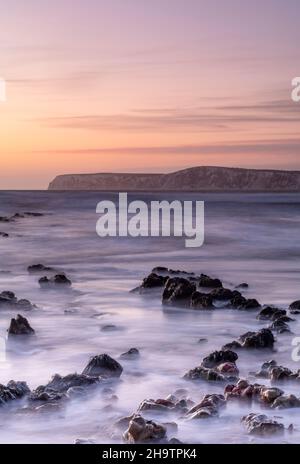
[[20, 326], [178, 291], [141, 431], [103, 364], [261, 425]]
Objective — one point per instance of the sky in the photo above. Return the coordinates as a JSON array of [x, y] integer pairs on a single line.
[[146, 86]]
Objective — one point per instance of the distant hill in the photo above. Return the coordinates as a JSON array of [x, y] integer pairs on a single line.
[[202, 178]]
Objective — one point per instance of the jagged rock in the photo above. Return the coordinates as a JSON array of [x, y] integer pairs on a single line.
[[224, 294], [133, 353], [12, 391], [219, 357], [201, 301], [37, 268], [295, 305], [59, 385], [103, 364], [270, 313], [206, 281], [204, 374], [154, 280], [208, 407], [59, 280], [178, 291], [261, 339], [20, 326], [261, 425], [140, 431]]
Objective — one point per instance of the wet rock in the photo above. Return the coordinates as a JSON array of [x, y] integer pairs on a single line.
[[12, 391], [228, 368], [261, 339], [133, 353], [243, 391], [270, 313], [264, 371], [261, 425], [209, 282], [201, 301], [208, 407], [4, 235], [140, 431], [154, 280], [242, 303], [295, 311], [270, 370], [59, 385], [37, 268], [286, 402], [20, 326], [268, 394], [103, 364], [178, 291], [232, 346], [219, 357], [203, 373], [295, 305], [224, 294], [59, 280]]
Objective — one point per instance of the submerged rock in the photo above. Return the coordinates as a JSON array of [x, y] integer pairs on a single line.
[[9, 300], [4, 235], [59, 385], [140, 431], [59, 280], [132, 353], [37, 268], [20, 326], [103, 364], [178, 291], [261, 425]]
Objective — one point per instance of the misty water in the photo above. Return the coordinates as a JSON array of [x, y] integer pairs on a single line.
[[248, 238]]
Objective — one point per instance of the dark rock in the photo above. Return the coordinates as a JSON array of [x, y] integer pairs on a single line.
[[4, 219], [242, 285], [261, 425], [232, 346], [20, 326], [25, 305], [280, 326], [4, 235], [243, 391], [219, 357], [270, 370], [295, 305], [59, 386], [270, 313], [268, 394], [178, 291], [201, 301], [37, 268], [208, 407], [159, 269], [33, 214], [7, 298], [12, 391], [240, 302], [224, 294], [295, 311], [204, 373], [103, 364], [261, 339], [140, 431], [154, 280], [206, 281], [286, 402], [133, 353], [59, 280]]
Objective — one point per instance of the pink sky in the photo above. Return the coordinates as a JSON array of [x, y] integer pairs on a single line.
[[133, 85]]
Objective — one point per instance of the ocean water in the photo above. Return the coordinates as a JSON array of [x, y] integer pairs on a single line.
[[248, 238]]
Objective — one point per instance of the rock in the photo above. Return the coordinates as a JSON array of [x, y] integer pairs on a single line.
[[164, 405], [232, 346], [224, 294], [59, 280], [103, 364], [219, 357], [154, 280], [243, 391], [25, 305], [60, 385], [208, 407], [140, 431], [206, 281], [133, 353], [228, 368], [285, 402], [270, 370], [33, 214], [295, 305], [159, 269], [37, 268], [108, 328], [268, 395], [20, 326], [4, 219], [261, 339], [4, 235], [264, 371], [178, 291], [295, 311], [242, 303], [202, 340], [9, 300], [242, 285], [270, 313], [280, 326], [12, 391], [201, 301], [204, 373], [261, 425]]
